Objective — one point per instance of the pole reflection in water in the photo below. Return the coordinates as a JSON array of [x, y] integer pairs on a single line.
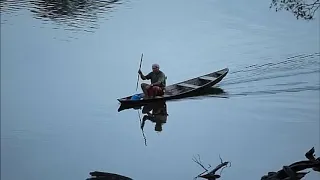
[[156, 112]]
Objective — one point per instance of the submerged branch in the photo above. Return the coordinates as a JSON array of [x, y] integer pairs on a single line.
[[292, 171], [212, 174], [199, 162], [98, 175]]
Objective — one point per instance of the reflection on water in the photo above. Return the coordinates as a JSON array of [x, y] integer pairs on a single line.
[[205, 93], [157, 112], [76, 15]]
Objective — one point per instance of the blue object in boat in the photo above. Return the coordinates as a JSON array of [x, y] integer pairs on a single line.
[[136, 97]]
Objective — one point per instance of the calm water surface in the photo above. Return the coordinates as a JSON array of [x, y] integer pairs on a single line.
[[64, 64]]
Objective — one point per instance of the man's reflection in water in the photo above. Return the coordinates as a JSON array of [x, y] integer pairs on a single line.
[[158, 115]]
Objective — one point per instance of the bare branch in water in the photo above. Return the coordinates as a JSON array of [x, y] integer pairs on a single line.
[[223, 164], [99, 175], [211, 174], [220, 159], [292, 171], [199, 162], [222, 170]]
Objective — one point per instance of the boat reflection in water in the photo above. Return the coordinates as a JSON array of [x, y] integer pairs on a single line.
[[156, 112]]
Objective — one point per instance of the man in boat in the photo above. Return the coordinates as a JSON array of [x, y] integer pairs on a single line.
[[158, 82]]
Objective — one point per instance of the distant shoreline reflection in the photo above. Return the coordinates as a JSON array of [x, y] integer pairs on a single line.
[[76, 15]]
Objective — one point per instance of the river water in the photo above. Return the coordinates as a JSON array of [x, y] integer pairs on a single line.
[[65, 63]]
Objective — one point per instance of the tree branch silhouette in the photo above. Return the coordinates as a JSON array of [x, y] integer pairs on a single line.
[[292, 171], [302, 9], [212, 174]]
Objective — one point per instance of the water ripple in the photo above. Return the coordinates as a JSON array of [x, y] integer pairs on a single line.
[[294, 74], [276, 91]]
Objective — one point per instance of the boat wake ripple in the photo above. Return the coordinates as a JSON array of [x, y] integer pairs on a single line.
[[294, 74]]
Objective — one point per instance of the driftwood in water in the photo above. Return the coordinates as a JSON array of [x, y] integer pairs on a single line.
[[98, 175], [292, 171], [212, 174]]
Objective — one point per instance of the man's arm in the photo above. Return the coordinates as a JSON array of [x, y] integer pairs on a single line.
[[143, 77]]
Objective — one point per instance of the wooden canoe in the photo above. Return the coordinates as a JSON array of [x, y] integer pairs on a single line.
[[182, 89]]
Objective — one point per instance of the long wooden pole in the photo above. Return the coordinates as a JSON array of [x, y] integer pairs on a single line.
[[139, 69]]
